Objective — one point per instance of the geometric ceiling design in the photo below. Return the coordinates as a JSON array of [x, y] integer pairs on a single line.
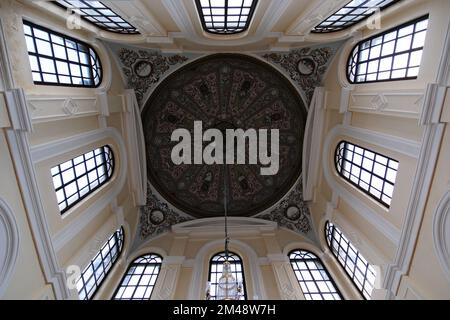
[[224, 91], [144, 70]]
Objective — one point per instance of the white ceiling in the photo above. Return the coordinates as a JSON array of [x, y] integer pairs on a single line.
[[174, 25]]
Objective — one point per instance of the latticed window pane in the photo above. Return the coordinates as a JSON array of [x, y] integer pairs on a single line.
[[98, 14], [352, 13], [99, 267], [226, 16], [140, 279], [56, 59], [360, 271], [395, 54], [371, 172], [314, 279], [216, 269], [77, 178]]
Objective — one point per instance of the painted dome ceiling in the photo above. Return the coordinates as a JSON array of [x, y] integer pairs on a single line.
[[224, 92]]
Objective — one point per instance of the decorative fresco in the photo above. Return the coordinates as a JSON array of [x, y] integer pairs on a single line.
[[157, 218], [305, 66], [144, 68], [225, 91], [291, 212]]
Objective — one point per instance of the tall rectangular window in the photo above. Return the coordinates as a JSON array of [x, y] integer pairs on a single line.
[[95, 273], [57, 59], [395, 54], [77, 178], [360, 271], [371, 172]]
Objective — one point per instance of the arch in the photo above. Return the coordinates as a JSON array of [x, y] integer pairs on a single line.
[[97, 45], [96, 272], [441, 233], [168, 75], [283, 98], [9, 244], [57, 148], [97, 164], [237, 269], [395, 144], [313, 276], [368, 51], [140, 278], [351, 260], [208, 250], [364, 174], [57, 51]]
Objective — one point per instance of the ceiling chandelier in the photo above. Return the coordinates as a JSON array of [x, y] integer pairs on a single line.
[[228, 287]]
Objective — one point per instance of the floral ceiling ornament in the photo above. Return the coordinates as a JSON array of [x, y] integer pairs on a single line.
[[305, 66], [144, 68], [291, 213], [156, 217]]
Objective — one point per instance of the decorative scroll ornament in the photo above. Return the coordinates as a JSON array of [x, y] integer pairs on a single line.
[[157, 217], [291, 213], [144, 68], [305, 66]]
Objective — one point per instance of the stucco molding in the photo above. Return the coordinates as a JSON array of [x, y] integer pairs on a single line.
[[441, 233], [51, 108], [196, 287], [181, 16], [136, 148], [17, 109], [406, 104], [429, 153], [56, 148], [396, 144], [312, 143], [9, 246], [19, 146]]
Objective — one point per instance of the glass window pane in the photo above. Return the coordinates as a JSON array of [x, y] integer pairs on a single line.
[[372, 173], [140, 278], [395, 54], [355, 265], [50, 53], [215, 273], [97, 270], [98, 14], [312, 276], [350, 14], [73, 180], [226, 16]]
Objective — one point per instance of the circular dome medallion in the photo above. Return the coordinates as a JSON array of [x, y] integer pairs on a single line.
[[143, 68], [306, 66], [293, 213], [156, 217], [224, 91]]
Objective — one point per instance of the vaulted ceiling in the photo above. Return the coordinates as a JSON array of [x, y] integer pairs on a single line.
[[175, 25]]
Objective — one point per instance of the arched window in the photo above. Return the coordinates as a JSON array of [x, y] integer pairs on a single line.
[[371, 172], [226, 16], [99, 268], [77, 178], [395, 54], [355, 265], [57, 59], [98, 14], [216, 269], [314, 279], [352, 13], [140, 279]]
